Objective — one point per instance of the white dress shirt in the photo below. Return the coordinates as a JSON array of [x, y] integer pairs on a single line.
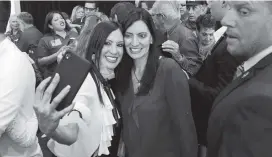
[[256, 58], [95, 127], [18, 122], [219, 33]]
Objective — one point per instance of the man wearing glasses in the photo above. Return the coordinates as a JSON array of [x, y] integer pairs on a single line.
[[90, 7]]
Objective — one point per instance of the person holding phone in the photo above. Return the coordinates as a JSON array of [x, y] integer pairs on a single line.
[[92, 113], [57, 35]]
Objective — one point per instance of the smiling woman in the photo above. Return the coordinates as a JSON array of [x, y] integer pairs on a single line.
[[57, 35]]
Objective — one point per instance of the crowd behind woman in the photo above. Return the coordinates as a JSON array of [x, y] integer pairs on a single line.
[[149, 94]]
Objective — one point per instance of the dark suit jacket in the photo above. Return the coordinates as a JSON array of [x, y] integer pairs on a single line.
[[214, 75], [160, 124], [240, 124]]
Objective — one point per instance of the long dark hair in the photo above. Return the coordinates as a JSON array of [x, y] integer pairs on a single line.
[[123, 71], [48, 20], [95, 44]]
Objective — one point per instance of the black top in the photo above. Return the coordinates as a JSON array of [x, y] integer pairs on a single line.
[[215, 74], [49, 45], [160, 124], [30, 37], [241, 121]]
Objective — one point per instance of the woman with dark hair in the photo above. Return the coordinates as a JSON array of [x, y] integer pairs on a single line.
[[57, 36], [154, 95], [88, 129]]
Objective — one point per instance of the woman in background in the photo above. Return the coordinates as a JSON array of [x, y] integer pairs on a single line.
[[154, 95], [77, 13], [57, 36], [14, 32]]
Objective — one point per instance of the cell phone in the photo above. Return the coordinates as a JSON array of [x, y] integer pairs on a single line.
[[72, 71]]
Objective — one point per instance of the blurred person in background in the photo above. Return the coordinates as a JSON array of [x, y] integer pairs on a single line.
[[30, 35], [216, 72], [195, 9], [57, 35], [18, 121], [74, 27], [166, 15], [77, 13], [183, 11], [14, 33], [119, 11]]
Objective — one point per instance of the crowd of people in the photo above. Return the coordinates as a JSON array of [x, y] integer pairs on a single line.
[[175, 79]]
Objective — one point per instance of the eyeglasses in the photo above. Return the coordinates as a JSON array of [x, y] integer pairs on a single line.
[[89, 9]]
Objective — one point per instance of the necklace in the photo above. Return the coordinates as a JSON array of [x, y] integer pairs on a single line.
[[138, 80]]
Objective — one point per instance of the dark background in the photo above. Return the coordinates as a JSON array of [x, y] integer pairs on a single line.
[[39, 9]]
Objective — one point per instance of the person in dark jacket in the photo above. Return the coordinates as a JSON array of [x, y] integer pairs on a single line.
[[157, 118]]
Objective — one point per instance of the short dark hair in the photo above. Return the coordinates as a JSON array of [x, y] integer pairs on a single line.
[[205, 21], [4, 15], [48, 20], [26, 17], [92, 1], [123, 71], [121, 9]]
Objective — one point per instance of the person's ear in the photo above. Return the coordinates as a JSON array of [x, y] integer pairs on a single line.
[[115, 18], [50, 26], [151, 40]]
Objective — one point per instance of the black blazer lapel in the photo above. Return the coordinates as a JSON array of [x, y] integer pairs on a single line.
[[242, 79], [237, 82]]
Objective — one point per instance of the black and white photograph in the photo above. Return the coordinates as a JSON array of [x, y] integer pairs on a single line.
[[138, 78]]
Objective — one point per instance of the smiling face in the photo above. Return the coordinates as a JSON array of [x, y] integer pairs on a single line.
[[112, 51], [14, 24], [249, 27], [137, 40], [57, 23], [206, 36]]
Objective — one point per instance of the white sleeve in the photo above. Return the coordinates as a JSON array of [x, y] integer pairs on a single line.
[[22, 132], [12, 92]]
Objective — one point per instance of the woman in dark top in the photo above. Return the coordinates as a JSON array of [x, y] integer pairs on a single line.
[[154, 96], [57, 35]]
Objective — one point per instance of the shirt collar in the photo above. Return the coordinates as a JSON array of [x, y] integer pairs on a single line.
[[256, 58], [170, 31]]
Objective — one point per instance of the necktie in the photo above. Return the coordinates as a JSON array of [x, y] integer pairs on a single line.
[[239, 71]]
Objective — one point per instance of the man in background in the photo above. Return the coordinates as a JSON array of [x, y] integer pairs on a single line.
[[30, 34]]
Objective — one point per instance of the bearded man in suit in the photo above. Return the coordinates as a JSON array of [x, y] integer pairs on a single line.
[[240, 124]]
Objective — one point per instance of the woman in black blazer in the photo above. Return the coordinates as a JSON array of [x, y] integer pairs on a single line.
[[154, 95]]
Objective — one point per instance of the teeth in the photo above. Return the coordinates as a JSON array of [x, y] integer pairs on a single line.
[[113, 59], [135, 50]]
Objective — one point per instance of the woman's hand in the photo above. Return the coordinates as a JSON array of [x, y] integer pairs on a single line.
[[48, 116]]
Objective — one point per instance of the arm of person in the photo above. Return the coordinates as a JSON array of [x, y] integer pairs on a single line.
[[189, 58], [203, 90], [22, 132], [248, 128], [67, 134], [42, 53], [12, 93], [178, 99]]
